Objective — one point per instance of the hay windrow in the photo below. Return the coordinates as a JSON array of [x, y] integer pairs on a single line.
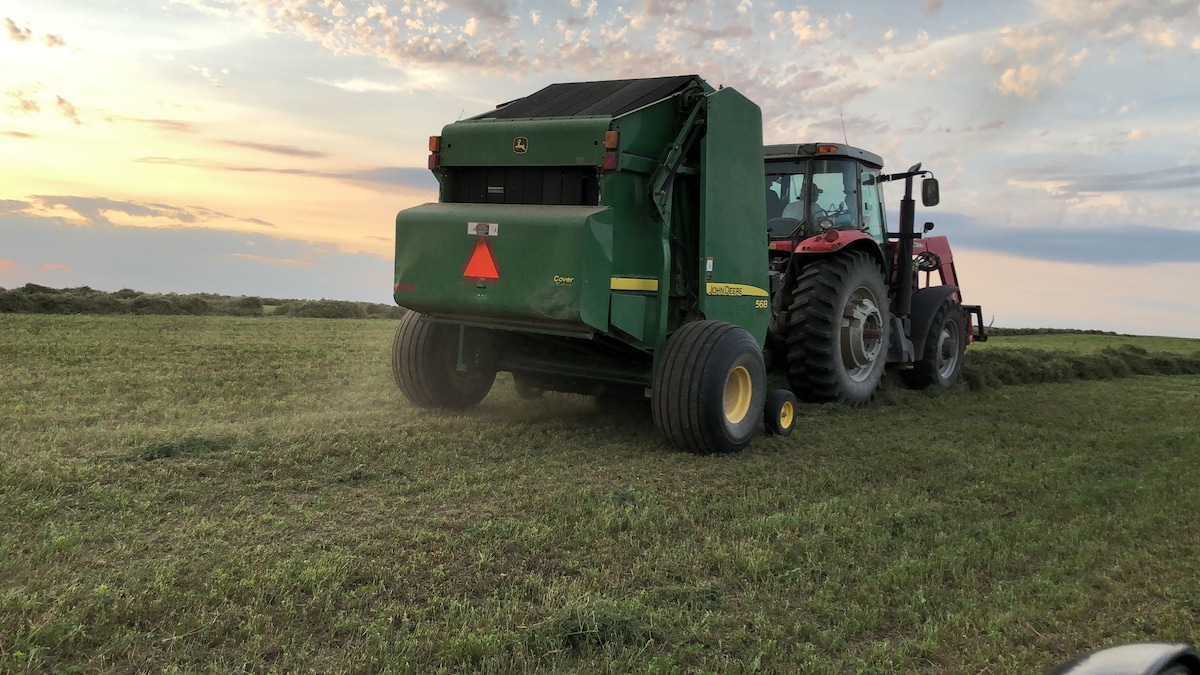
[[999, 367]]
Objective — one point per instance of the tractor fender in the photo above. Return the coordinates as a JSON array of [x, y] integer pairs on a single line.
[[925, 304], [846, 240]]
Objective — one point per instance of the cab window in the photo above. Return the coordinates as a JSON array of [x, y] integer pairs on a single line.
[[836, 202], [872, 209]]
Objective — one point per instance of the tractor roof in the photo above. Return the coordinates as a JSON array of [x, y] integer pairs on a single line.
[[824, 150], [586, 99]]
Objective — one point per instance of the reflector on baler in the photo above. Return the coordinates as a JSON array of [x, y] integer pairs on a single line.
[[481, 266]]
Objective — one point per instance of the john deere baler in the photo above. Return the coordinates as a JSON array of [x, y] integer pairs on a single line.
[[577, 231]]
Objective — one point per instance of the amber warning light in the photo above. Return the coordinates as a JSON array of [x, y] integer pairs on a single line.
[[435, 147], [612, 140]]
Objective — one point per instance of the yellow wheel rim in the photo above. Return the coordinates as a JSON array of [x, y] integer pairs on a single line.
[[786, 414], [738, 392]]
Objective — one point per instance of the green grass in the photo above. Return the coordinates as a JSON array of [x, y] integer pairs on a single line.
[[1085, 343], [208, 494]]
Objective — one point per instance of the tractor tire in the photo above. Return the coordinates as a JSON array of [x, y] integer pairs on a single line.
[[941, 362], [836, 330], [779, 415], [709, 388], [425, 364]]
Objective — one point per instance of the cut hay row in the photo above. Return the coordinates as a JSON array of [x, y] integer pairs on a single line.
[[998, 367]]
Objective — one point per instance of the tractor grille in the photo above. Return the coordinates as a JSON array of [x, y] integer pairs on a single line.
[[557, 185]]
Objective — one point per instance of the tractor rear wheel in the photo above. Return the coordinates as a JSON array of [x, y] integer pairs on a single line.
[[426, 358], [836, 330], [945, 348], [709, 388]]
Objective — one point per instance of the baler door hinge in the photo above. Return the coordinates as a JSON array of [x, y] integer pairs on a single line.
[[663, 177]]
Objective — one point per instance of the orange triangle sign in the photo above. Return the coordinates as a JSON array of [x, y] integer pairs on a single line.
[[481, 266]]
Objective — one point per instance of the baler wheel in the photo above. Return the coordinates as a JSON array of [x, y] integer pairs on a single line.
[[945, 348], [708, 388], [779, 415], [425, 359], [836, 330]]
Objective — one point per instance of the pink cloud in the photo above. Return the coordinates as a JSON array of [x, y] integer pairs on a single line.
[[296, 262]]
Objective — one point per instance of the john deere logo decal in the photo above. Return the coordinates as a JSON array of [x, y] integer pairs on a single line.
[[520, 145]]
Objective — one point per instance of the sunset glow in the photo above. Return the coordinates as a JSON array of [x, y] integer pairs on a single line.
[[264, 147]]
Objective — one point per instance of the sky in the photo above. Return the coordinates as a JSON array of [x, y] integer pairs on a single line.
[[263, 147]]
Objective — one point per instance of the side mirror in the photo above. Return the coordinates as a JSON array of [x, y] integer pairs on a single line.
[[929, 192], [928, 228], [1135, 659]]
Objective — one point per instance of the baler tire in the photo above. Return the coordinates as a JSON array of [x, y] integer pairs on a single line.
[[424, 365], [779, 415], [829, 297], [945, 349], [708, 388]]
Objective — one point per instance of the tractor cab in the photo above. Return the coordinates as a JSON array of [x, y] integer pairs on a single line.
[[816, 187]]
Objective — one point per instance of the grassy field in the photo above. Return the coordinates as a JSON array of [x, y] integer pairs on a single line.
[[216, 494], [1085, 343]]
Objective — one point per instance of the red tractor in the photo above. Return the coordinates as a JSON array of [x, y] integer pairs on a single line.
[[620, 239], [848, 297]]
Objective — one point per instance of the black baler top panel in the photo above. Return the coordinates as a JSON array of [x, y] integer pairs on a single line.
[[577, 99]]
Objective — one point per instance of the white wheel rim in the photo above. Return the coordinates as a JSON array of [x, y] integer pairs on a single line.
[[948, 350], [862, 334]]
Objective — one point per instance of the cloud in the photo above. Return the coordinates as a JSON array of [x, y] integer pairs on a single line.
[[495, 11], [413, 177], [295, 262], [1178, 178], [18, 34], [15, 33], [8, 206], [17, 134], [179, 126], [392, 175], [207, 74], [1021, 81], [1127, 246], [359, 85], [20, 102], [1119, 21], [91, 211], [287, 150], [191, 260], [67, 110], [931, 8]]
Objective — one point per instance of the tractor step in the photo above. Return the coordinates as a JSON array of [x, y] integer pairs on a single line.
[[978, 332]]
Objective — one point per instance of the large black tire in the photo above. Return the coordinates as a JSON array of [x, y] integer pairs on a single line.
[[425, 364], [945, 348], [836, 330], [709, 388]]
